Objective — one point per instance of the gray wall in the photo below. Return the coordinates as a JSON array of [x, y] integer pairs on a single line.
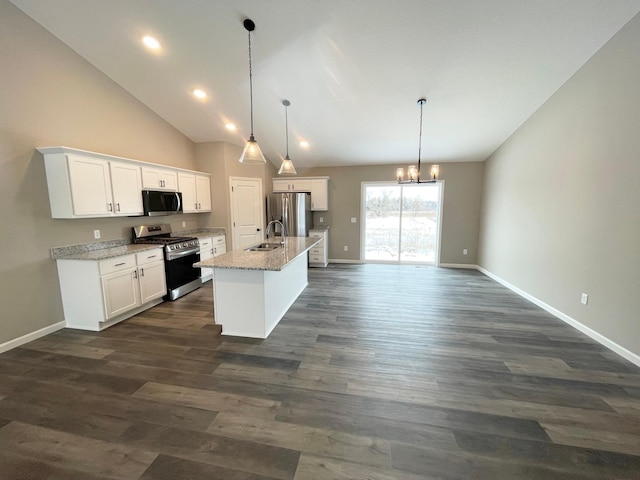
[[460, 214], [561, 210], [51, 96], [221, 160]]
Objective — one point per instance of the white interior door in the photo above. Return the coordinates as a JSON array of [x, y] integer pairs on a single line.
[[247, 212]]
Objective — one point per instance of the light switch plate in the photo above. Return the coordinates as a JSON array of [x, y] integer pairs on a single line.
[[96, 234], [354, 220]]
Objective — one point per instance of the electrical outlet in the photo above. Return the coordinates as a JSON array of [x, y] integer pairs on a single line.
[[464, 251], [321, 219], [584, 299], [184, 224], [354, 220], [96, 234], [346, 248]]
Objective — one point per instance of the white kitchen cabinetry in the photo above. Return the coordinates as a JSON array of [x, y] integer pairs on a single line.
[[85, 184], [151, 275], [318, 186], [319, 254], [154, 178], [126, 185], [82, 187], [291, 185], [319, 194], [196, 192], [98, 294], [211, 247]]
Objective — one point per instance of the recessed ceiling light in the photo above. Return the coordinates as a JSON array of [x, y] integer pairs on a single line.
[[151, 42], [304, 143], [230, 126], [199, 93]]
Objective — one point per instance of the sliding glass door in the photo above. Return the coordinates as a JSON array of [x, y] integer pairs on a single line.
[[400, 222]]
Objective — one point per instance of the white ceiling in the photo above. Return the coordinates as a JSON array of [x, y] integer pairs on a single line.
[[352, 69]]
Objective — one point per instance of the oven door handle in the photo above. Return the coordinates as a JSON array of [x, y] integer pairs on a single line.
[[174, 255], [179, 202]]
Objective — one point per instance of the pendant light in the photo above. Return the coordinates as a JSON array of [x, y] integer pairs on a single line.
[[413, 173], [251, 152], [287, 167]]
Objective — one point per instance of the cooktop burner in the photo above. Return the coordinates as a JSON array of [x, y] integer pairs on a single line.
[[161, 235]]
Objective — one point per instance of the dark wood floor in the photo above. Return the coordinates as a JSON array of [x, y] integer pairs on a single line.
[[376, 372]]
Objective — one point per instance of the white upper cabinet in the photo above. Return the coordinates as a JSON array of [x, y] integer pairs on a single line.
[[196, 192], [291, 185], [203, 193], [318, 186], [319, 194], [126, 186], [87, 184], [90, 187], [154, 178]]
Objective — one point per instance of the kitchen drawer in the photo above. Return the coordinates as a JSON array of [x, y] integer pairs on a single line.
[[149, 256], [117, 264], [219, 240], [316, 234], [316, 258], [318, 250], [205, 242]]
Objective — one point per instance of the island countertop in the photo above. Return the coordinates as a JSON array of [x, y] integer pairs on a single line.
[[272, 260]]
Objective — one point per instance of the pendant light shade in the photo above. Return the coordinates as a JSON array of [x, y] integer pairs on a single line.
[[287, 167], [251, 152]]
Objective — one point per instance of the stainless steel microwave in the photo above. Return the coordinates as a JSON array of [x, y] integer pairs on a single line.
[[158, 203]]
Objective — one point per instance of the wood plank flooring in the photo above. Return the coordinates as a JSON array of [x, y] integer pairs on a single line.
[[376, 372]]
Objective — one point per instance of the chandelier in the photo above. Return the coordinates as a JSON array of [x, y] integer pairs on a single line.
[[413, 173]]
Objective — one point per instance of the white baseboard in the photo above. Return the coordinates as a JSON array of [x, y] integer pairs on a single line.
[[598, 337], [341, 260], [459, 265], [16, 342]]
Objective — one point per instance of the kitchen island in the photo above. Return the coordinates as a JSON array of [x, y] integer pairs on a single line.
[[252, 290]]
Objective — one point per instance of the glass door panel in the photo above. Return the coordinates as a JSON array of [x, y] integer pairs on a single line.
[[401, 223], [382, 223], [418, 223]]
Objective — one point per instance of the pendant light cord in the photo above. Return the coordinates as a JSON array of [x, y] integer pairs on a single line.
[[421, 102], [286, 127], [250, 85]]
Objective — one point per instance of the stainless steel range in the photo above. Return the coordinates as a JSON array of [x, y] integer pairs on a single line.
[[180, 253]]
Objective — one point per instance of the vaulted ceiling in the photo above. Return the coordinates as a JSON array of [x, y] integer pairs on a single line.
[[353, 70]]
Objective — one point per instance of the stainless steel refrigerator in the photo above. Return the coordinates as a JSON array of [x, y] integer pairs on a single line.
[[293, 210]]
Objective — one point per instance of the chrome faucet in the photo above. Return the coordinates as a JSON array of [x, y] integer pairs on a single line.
[[271, 224]]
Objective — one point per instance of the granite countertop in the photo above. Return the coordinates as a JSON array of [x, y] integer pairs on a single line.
[[321, 228], [121, 246], [111, 252], [201, 232], [273, 260]]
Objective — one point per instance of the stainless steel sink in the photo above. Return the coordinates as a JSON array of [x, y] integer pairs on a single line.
[[263, 247]]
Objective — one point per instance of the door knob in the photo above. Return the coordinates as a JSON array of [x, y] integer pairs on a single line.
[[257, 229]]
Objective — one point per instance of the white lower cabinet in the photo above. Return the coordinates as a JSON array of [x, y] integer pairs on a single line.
[[211, 247], [98, 294], [319, 254]]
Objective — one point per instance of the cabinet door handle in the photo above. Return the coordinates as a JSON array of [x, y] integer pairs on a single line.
[[142, 272], [135, 274], [118, 206], [196, 206], [119, 264], [110, 207]]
